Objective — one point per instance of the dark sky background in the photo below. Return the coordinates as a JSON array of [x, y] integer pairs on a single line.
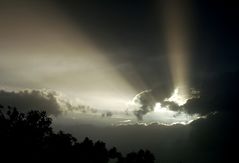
[[131, 36]]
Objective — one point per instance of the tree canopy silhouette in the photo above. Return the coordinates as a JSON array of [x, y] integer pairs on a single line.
[[29, 137]]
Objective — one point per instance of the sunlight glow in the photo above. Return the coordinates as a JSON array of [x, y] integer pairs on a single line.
[[159, 109], [55, 54], [178, 97], [165, 116]]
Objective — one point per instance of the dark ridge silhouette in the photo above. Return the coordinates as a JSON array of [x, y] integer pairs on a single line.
[[29, 137]]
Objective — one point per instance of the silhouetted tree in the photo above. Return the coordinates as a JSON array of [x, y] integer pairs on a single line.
[[29, 137], [139, 157]]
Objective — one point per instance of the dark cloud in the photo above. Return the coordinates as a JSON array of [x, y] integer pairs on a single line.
[[171, 105], [145, 102], [31, 100], [107, 114], [45, 100], [80, 108], [217, 93]]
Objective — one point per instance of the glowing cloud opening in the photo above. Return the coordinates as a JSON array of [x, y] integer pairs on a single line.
[[178, 97], [148, 110], [163, 115]]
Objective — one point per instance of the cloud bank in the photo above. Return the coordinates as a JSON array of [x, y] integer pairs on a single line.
[[218, 94], [31, 100], [43, 100]]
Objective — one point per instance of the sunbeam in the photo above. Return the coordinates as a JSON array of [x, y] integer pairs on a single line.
[[57, 55], [176, 34]]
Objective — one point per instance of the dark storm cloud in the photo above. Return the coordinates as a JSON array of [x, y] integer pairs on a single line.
[[44, 100], [79, 108], [31, 100], [219, 93], [107, 114], [171, 105], [147, 99], [146, 104]]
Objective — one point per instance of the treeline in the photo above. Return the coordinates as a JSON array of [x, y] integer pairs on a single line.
[[29, 137]]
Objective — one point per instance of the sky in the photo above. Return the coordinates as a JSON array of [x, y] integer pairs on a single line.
[[150, 74]]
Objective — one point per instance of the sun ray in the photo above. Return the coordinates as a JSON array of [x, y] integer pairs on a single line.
[[176, 33]]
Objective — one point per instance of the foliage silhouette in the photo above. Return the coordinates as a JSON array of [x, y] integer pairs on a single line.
[[29, 137]]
